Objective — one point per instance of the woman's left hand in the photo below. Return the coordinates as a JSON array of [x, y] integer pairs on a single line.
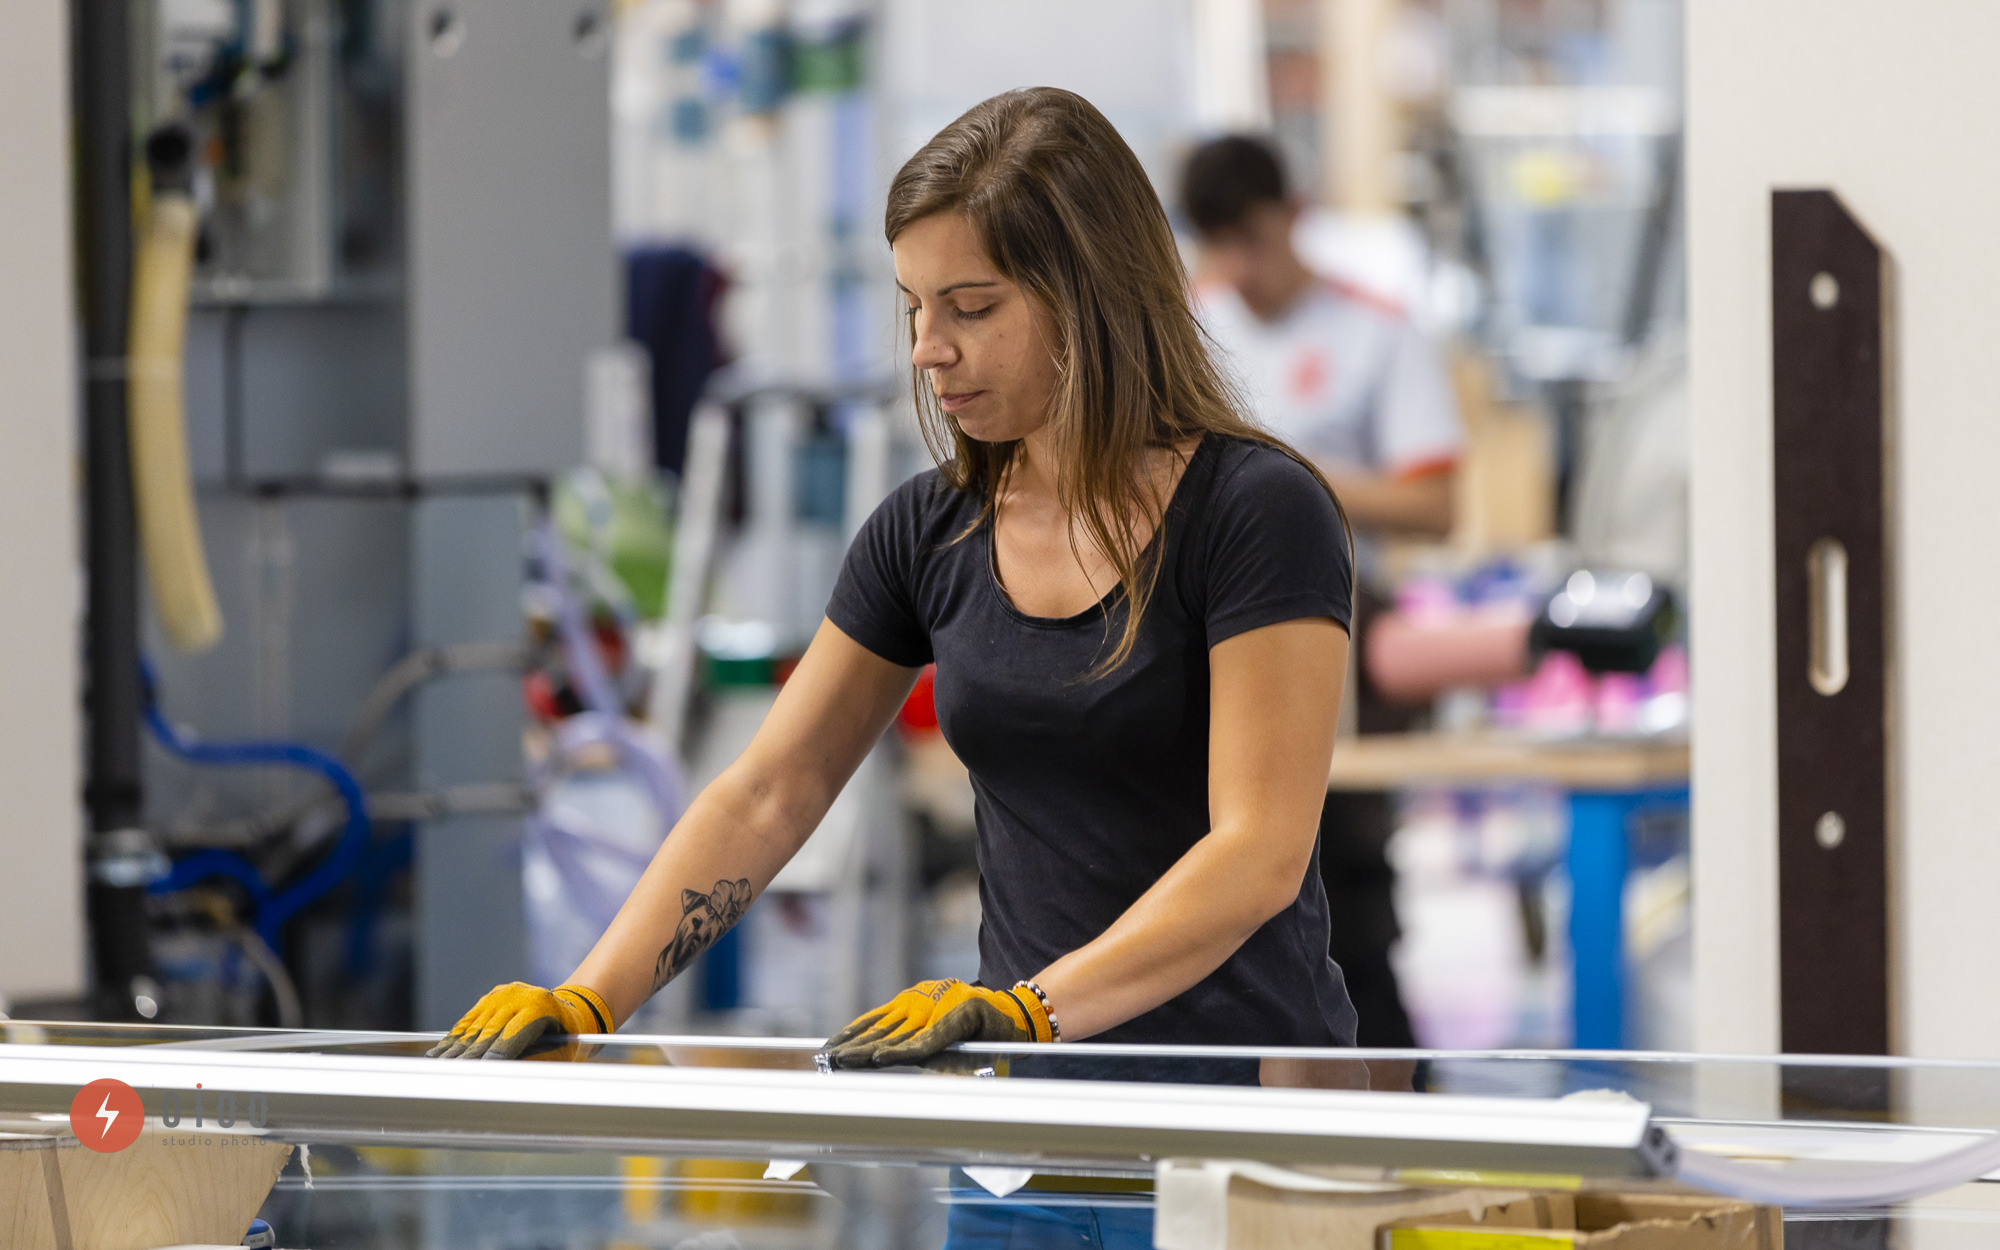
[[932, 1016]]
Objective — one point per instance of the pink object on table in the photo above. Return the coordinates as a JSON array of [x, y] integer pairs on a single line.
[[1619, 698], [1559, 696], [1670, 671], [1427, 599]]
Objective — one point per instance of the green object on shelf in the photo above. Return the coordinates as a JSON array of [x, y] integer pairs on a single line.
[[625, 524], [732, 670], [832, 61]]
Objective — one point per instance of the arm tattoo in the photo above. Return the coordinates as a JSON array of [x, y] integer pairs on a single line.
[[704, 918]]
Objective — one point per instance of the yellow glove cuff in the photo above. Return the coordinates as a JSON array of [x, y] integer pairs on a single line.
[[1035, 1004], [591, 999], [1034, 1020]]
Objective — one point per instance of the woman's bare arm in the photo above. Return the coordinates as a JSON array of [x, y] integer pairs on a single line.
[[1274, 700], [1421, 507], [748, 822]]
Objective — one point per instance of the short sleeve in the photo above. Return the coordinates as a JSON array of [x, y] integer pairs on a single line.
[[1416, 414], [874, 600], [1276, 549]]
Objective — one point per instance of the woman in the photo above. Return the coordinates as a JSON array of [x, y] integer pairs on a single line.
[[1137, 603]]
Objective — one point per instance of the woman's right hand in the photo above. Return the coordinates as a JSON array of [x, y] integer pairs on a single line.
[[518, 1020]]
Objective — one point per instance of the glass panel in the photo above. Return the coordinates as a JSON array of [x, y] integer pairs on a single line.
[[625, 1149]]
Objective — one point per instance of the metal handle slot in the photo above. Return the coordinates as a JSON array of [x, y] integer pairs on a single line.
[[1826, 616]]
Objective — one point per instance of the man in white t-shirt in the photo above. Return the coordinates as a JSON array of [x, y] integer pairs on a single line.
[[1339, 373], [1347, 380]]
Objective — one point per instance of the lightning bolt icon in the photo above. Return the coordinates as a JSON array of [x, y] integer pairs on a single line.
[[107, 1113]]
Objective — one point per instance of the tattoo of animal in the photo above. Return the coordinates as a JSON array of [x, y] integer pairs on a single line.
[[704, 918]]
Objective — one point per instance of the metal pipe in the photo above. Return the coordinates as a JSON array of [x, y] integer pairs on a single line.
[[121, 956]]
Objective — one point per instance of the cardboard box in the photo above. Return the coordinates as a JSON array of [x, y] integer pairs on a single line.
[[1236, 1204], [1599, 1221], [165, 1189]]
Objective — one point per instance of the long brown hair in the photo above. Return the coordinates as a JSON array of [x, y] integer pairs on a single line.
[[1064, 209]]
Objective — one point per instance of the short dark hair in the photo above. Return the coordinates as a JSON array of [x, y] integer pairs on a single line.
[[1228, 177]]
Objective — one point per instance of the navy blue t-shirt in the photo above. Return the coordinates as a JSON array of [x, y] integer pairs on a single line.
[[1088, 790]]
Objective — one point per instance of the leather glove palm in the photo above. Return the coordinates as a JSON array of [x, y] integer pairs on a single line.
[[518, 1020], [933, 1015]]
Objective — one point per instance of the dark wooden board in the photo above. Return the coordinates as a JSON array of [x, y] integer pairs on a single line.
[[1829, 380]]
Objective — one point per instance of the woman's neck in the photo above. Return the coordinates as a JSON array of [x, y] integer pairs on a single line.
[[1034, 471]]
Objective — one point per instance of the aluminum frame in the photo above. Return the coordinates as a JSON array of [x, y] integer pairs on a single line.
[[651, 1108]]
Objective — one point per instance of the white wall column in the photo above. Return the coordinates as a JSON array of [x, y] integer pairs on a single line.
[[41, 856], [1880, 101]]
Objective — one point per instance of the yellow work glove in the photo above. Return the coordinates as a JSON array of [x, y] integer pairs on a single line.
[[933, 1015], [518, 1020]]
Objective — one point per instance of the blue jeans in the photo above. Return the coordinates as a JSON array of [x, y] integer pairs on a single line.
[[979, 1221]]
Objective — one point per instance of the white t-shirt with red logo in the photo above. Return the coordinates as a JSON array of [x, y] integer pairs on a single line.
[[1343, 376]]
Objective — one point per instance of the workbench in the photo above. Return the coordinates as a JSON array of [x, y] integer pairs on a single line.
[[1607, 781]]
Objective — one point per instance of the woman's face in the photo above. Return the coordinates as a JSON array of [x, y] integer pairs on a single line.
[[985, 344]]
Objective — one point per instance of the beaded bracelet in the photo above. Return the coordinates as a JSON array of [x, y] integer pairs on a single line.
[[1055, 1030]]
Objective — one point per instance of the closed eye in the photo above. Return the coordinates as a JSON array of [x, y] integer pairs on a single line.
[[973, 314]]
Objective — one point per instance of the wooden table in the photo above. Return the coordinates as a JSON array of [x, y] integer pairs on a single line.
[[1607, 780], [1399, 761]]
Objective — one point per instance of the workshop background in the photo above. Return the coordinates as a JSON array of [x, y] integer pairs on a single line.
[[514, 375]]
